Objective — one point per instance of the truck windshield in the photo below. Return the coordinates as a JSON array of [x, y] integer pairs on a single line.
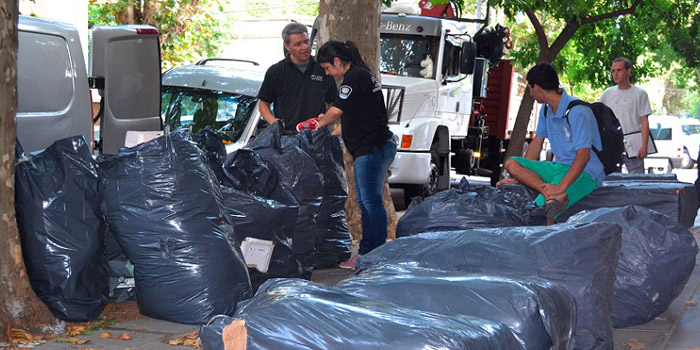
[[691, 129], [196, 109], [403, 54]]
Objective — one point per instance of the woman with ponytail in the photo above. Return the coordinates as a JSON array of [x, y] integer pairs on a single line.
[[363, 124]]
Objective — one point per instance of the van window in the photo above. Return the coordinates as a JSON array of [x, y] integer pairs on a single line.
[[691, 129], [196, 109], [662, 133], [44, 73]]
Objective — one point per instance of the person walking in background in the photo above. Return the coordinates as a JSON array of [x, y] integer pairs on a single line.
[[365, 131], [631, 106], [296, 87], [572, 132]]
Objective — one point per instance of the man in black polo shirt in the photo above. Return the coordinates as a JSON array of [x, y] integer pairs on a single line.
[[296, 87]]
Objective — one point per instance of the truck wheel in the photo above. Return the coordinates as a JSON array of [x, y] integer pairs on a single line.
[[427, 190], [686, 161]]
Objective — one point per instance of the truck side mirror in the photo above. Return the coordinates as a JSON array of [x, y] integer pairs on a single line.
[[127, 59], [466, 64]]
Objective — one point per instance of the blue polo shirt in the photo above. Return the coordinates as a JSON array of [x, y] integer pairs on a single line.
[[565, 138]]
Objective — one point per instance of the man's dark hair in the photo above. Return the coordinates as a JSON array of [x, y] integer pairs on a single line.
[[624, 60], [293, 28], [544, 75]]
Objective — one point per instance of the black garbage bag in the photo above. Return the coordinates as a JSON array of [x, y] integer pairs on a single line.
[[165, 208], [580, 258], [298, 173], [656, 260], [213, 147], [269, 220], [121, 272], [297, 314], [540, 314], [62, 230], [333, 240], [469, 207]]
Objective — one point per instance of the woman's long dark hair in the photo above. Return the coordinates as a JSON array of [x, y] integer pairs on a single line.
[[346, 52]]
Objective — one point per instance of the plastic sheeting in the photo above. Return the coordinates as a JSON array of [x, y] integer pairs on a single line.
[[62, 230], [215, 151], [677, 200], [656, 260], [641, 177], [165, 208], [580, 258], [298, 173], [333, 240], [540, 314], [297, 314], [469, 207]]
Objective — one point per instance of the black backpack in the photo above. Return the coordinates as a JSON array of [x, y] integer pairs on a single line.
[[611, 136]]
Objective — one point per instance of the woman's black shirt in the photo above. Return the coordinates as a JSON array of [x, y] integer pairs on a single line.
[[364, 119]]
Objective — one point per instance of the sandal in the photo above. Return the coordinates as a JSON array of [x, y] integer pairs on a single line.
[[555, 207]]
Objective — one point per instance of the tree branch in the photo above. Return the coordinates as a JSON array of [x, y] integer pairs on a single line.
[[613, 14], [539, 30]]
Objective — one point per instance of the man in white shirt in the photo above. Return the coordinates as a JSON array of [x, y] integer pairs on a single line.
[[631, 106]]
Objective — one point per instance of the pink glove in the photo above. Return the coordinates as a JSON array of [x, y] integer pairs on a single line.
[[309, 124]]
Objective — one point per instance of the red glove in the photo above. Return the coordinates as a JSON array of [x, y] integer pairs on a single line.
[[309, 124]]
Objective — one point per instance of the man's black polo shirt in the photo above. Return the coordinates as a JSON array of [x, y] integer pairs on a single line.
[[297, 96]]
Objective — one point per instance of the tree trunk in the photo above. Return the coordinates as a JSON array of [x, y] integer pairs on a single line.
[[19, 306], [357, 21]]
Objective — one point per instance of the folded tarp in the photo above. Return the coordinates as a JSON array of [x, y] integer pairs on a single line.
[[677, 200], [62, 230], [469, 207], [298, 173], [298, 314], [580, 258], [542, 315], [165, 208], [333, 240], [641, 177], [656, 260]]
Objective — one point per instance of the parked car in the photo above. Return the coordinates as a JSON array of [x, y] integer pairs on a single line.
[[676, 139], [217, 93]]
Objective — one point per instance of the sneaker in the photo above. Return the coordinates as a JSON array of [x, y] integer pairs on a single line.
[[350, 264]]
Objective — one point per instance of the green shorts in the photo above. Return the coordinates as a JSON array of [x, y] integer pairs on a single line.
[[553, 173]]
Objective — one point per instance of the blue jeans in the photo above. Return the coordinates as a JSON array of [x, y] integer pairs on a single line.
[[370, 171]]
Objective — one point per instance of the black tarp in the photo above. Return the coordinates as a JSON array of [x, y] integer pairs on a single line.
[[580, 258], [656, 260], [540, 314], [300, 175], [163, 204], [62, 230], [297, 314], [469, 207], [333, 240], [641, 177], [677, 200]]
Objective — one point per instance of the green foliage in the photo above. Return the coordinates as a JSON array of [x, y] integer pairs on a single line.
[[306, 8], [187, 30], [258, 9]]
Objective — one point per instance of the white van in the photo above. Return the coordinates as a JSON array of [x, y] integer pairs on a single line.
[[676, 138], [54, 94]]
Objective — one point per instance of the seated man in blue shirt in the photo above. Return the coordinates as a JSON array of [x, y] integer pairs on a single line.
[[576, 170]]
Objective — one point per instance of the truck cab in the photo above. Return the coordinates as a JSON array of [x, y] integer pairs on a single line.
[[53, 88]]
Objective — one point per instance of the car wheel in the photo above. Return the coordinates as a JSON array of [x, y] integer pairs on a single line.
[[686, 161]]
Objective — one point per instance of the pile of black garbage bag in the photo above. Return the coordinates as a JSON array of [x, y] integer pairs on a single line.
[[165, 208], [298, 314], [62, 230], [470, 207]]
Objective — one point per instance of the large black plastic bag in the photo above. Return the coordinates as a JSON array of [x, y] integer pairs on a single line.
[[469, 207], [62, 230], [580, 258], [656, 260], [297, 314], [333, 240], [214, 149], [540, 314], [165, 208], [298, 173]]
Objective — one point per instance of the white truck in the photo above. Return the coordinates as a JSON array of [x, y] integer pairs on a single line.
[[54, 100], [435, 82]]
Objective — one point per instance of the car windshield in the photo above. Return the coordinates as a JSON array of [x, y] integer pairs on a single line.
[[226, 114], [403, 54], [691, 129]]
